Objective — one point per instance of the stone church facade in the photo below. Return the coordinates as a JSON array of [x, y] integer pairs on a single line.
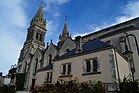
[[96, 56]]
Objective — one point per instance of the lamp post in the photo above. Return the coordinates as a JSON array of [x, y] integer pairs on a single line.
[[128, 53]]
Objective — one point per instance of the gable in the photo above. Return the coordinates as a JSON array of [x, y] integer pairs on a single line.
[[68, 44], [51, 49], [87, 47]]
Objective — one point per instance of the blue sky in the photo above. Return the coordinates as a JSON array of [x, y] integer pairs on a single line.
[[84, 16]]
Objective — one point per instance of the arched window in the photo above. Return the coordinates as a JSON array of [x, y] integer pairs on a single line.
[[40, 37], [95, 66], [37, 35], [64, 69], [36, 63], [51, 77], [50, 59], [88, 66], [69, 69], [47, 79]]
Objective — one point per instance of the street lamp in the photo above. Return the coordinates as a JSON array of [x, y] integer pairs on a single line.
[[128, 53]]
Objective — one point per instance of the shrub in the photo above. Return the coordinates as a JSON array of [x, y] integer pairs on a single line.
[[72, 86], [128, 86]]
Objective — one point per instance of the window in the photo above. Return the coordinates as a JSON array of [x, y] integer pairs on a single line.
[[51, 77], [36, 63], [48, 77], [95, 65], [50, 59], [66, 69], [88, 66], [69, 69], [40, 37], [91, 65]]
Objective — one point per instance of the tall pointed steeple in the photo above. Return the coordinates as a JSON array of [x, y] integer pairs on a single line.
[[39, 18], [37, 29], [65, 33]]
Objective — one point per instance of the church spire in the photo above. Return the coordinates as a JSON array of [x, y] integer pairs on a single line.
[[39, 18], [65, 33]]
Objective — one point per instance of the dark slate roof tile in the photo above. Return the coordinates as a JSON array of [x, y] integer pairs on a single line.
[[87, 46], [46, 68]]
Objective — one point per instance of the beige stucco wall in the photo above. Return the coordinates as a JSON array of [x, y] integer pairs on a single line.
[[115, 41], [41, 77], [77, 65], [123, 66]]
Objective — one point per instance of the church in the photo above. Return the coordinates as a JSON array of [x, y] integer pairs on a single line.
[[101, 55]]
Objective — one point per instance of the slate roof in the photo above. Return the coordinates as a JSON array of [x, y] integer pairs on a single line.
[[46, 68], [87, 47]]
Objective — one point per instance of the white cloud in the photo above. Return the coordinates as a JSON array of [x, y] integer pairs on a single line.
[[50, 28], [52, 6], [12, 23], [129, 11], [56, 2]]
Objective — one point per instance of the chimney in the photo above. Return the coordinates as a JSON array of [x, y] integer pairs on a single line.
[[0, 73], [78, 44]]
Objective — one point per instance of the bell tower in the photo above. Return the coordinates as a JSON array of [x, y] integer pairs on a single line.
[[36, 31], [35, 35]]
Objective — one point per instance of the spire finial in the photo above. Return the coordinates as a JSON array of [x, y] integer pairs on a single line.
[[51, 41]]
